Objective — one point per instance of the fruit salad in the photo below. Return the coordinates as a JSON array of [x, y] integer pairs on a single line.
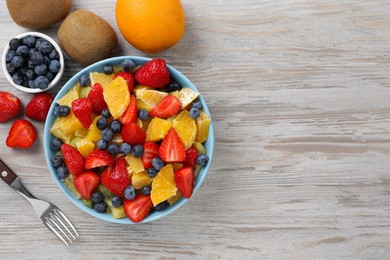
[[129, 139]]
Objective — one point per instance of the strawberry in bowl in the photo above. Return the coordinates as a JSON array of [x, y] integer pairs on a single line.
[[129, 139]]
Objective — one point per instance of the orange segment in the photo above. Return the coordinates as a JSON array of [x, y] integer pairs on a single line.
[[140, 180], [85, 147], [93, 132], [57, 131], [73, 94], [202, 124], [152, 97], [185, 127], [101, 78], [138, 90], [70, 124], [157, 129], [163, 185], [117, 96]]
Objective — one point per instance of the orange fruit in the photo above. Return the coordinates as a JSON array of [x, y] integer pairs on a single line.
[[203, 124], [157, 129], [163, 185], [85, 146], [117, 96], [151, 26], [185, 127]]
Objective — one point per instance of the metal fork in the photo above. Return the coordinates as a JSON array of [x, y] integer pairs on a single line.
[[50, 215]]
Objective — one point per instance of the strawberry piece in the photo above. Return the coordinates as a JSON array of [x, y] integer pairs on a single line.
[[191, 156], [39, 106], [10, 106], [138, 208], [184, 179], [82, 109], [21, 135], [172, 149], [98, 158], [116, 178], [96, 96], [74, 161], [167, 107], [133, 134], [128, 77], [151, 150], [86, 183], [153, 74], [131, 113]]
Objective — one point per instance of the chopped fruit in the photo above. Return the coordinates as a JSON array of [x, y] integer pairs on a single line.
[[128, 77], [176, 166], [153, 74], [168, 107], [21, 135], [184, 179], [131, 113], [98, 158], [153, 97], [202, 124], [172, 200], [73, 94], [101, 78], [86, 183], [142, 105], [139, 89], [74, 161], [70, 124], [199, 147], [116, 178], [82, 109], [39, 106], [202, 159], [186, 96], [138, 208], [96, 96], [133, 134], [10, 106], [185, 127], [163, 185], [93, 131], [172, 149], [117, 97], [157, 129], [191, 156], [82, 132], [85, 146], [117, 139], [198, 167], [135, 164], [151, 150], [140, 180], [57, 131], [85, 91]]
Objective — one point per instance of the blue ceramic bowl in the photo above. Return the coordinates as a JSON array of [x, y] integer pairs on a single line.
[[175, 74]]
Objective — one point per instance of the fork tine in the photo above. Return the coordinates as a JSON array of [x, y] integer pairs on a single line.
[[67, 220], [55, 232], [50, 218], [59, 220]]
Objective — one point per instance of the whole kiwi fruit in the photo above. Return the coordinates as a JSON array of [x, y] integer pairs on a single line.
[[38, 14], [86, 37]]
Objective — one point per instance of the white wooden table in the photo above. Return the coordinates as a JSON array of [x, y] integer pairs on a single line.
[[299, 92]]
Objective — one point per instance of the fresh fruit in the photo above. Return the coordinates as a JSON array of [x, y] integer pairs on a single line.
[[101, 78], [157, 129], [133, 134], [100, 207], [194, 112], [85, 146], [171, 148], [153, 74], [128, 77], [185, 127], [199, 147], [143, 114], [151, 150], [137, 150], [203, 125], [130, 115], [202, 159], [97, 196], [10, 106], [82, 109], [168, 107], [98, 158], [113, 149], [139, 180], [94, 133], [21, 135], [74, 161], [86, 183], [117, 97], [135, 164], [96, 96], [138, 208], [157, 163], [39, 106], [129, 193], [116, 178], [163, 185], [191, 155], [68, 98], [184, 179], [62, 172], [155, 25], [152, 97], [115, 126], [161, 206], [125, 148], [186, 97]]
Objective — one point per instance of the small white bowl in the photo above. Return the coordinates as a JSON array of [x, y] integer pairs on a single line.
[[52, 83]]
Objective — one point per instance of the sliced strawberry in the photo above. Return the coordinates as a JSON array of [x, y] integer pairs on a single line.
[[172, 149], [98, 158], [96, 96], [74, 161], [167, 107], [21, 135], [151, 150], [153, 74], [128, 77], [184, 179], [191, 156], [82, 109], [86, 183], [10, 106], [39, 106], [138, 208], [131, 113], [133, 134], [116, 178]]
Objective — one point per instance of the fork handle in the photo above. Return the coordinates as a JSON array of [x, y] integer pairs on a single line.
[[6, 173]]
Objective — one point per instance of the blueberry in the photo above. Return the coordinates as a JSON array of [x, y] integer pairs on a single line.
[[36, 58], [62, 172], [29, 41], [31, 83], [17, 78], [202, 159], [129, 192], [54, 66], [25, 83], [49, 75], [137, 150], [55, 144], [14, 43], [127, 65], [146, 190], [53, 55], [10, 54], [22, 71], [152, 172], [194, 113], [57, 161], [11, 68], [84, 80], [97, 196], [161, 206], [63, 111], [157, 163], [17, 61], [173, 86], [40, 69], [197, 104], [22, 50], [41, 82], [116, 201], [30, 74], [143, 114], [100, 207], [102, 145], [38, 43], [31, 51], [108, 69], [30, 65], [113, 149], [102, 123], [107, 134], [45, 47], [106, 113], [125, 148], [115, 126], [46, 60]]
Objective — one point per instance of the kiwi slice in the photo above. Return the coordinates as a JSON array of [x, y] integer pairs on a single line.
[[88, 203], [69, 183]]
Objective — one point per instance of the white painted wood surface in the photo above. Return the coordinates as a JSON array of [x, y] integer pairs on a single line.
[[299, 92]]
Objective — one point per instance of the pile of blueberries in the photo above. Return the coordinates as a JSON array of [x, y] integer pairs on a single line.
[[32, 62]]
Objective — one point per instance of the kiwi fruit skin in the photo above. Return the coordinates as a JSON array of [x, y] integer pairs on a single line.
[[86, 38], [38, 14]]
